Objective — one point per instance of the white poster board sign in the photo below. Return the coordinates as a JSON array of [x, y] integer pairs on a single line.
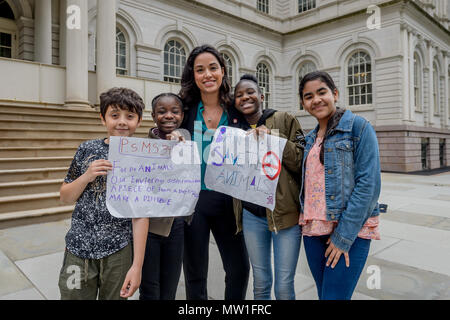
[[244, 167], [145, 182]]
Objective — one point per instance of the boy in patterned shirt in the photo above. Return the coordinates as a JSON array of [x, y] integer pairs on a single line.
[[99, 260]]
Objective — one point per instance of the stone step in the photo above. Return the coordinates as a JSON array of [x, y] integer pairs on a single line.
[[33, 174], [49, 110], [7, 115], [61, 124], [23, 152], [19, 218], [10, 116], [37, 140], [30, 187], [51, 133], [40, 142], [52, 111], [10, 204], [34, 162]]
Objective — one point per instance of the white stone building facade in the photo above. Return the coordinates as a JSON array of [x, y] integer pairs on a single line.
[[389, 59]]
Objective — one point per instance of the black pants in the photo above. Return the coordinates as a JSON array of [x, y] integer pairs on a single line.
[[162, 264], [214, 212]]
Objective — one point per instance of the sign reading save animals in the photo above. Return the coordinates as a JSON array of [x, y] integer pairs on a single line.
[[145, 180], [245, 167]]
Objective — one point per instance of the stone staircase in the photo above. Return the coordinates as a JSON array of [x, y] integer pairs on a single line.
[[37, 144]]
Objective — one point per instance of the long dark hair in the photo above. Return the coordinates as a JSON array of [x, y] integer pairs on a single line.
[[336, 117], [190, 93]]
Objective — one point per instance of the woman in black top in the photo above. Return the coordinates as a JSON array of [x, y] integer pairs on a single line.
[[205, 91]]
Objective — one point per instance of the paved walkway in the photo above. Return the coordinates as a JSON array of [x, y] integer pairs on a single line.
[[413, 257]]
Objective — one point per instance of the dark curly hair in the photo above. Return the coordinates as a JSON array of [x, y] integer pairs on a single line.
[[248, 77], [190, 93], [123, 98]]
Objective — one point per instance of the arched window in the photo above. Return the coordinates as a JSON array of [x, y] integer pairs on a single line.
[[417, 82], [121, 53], [263, 6], [229, 66], [5, 11], [436, 89], [7, 30], [174, 60], [305, 68], [359, 79], [263, 76]]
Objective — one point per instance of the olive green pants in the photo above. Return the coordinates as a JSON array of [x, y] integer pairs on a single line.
[[87, 279]]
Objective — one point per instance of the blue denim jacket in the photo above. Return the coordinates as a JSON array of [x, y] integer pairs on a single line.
[[352, 176]]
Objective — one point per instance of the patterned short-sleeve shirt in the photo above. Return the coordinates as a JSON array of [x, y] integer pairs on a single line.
[[94, 232]]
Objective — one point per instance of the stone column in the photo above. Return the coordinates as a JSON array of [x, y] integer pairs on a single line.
[[77, 56], [412, 107], [106, 45], [62, 31], [430, 111], [406, 77], [43, 31], [446, 113]]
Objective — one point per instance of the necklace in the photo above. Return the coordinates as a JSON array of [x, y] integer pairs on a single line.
[[208, 118]]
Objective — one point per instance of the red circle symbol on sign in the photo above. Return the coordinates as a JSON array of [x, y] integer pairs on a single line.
[[269, 156]]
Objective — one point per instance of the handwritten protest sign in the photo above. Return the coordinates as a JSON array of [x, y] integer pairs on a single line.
[[146, 182], [245, 167]]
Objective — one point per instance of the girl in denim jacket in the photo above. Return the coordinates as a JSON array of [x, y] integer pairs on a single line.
[[340, 189]]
